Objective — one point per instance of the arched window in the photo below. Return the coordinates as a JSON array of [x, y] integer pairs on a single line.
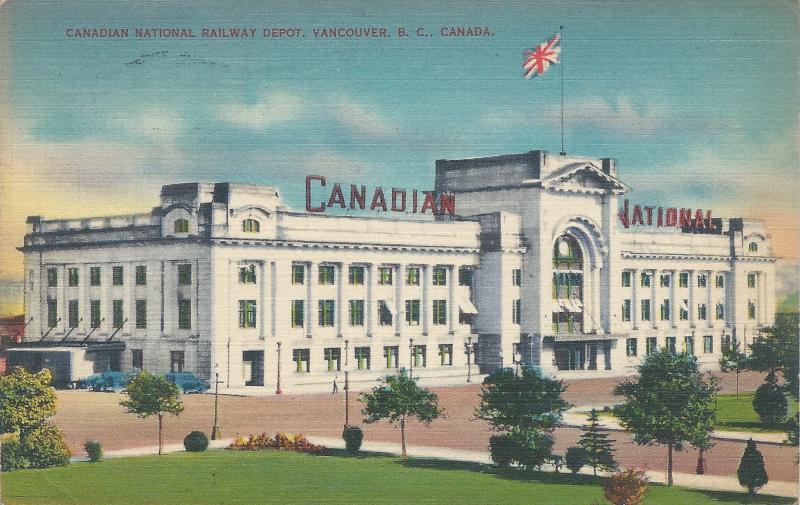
[[181, 226], [251, 226], [567, 253], [753, 247]]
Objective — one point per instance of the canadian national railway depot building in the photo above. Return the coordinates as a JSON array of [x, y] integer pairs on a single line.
[[533, 258]]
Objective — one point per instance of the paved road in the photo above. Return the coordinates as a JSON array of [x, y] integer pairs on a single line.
[[83, 416]]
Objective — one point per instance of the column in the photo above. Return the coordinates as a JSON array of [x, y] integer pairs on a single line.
[[340, 301], [427, 299], [635, 280], [400, 307], [83, 302], [311, 312], [673, 298], [264, 283], [692, 299], [711, 310], [452, 279], [655, 312], [371, 307]]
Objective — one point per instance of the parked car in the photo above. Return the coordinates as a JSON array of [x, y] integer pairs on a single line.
[[188, 382], [107, 381]]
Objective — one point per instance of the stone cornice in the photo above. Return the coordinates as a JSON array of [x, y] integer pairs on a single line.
[[696, 256]]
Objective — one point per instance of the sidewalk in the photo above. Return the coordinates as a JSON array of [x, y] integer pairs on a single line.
[[575, 420], [692, 481]]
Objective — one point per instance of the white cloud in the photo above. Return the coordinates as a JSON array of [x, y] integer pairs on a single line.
[[362, 119], [273, 108]]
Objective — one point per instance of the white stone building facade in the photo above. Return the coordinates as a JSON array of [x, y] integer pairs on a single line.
[[534, 268]]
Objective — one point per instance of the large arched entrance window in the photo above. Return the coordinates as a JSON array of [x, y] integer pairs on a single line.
[[567, 316]]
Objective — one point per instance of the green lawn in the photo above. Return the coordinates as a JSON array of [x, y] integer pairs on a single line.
[[738, 415], [220, 477]]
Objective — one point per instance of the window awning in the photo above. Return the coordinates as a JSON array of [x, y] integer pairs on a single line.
[[467, 307], [568, 305], [389, 304]]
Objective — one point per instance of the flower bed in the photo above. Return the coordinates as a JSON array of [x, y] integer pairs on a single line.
[[280, 441]]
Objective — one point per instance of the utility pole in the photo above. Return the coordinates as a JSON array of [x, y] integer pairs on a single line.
[[215, 435], [278, 388]]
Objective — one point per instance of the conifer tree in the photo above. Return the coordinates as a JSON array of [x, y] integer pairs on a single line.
[[599, 447], [751, 471]]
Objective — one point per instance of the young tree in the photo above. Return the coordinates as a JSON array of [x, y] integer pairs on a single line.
[[527, 407], [398, 398], [149, 395], [751, 471], [626, 488], [575, 458], [776, 350], [599, 447], [733, 360], [770, 403], [669, 403]]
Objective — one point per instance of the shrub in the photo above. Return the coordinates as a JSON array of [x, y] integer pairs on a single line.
[[94, 450], [576, 458], [502, 449], [12, 456], [352, 436], [626, 488], [751, 471], [770, 403], [557, 461], [196, 441], [791, 430], [44, 447], [280, 442]]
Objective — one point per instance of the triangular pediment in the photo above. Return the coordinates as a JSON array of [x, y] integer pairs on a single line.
[[584, 177]]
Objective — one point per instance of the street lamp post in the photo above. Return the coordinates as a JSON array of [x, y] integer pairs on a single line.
[[469, 359], [278, 388], [215, 435], [411, 358]]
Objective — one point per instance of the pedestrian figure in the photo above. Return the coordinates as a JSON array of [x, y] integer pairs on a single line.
[[335, 386]]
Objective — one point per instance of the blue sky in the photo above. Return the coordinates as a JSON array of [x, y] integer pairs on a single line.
[[697, 101]]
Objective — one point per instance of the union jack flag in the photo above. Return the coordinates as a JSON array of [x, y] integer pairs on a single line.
[[537, 61]]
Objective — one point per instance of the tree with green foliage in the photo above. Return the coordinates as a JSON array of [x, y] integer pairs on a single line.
[[770, 403], [669, 403], [527, 407], [776, 350], [751, 471], [399, 398], [27, 401], [575, 458], [149, 395], [733, 360], [598, 445]]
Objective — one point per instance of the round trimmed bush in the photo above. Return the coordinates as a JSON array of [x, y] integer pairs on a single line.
[[352, 436], [576, 458], [196, 441], [94, 450], [770, 403]]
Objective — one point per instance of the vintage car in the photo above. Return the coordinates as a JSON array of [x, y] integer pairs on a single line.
[[187, 382], [106, 381]]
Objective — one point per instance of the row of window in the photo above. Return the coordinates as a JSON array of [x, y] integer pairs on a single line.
[[683, 312], [332, 357], [651, 345], [117, 314], [248, 226], [177, 360], [117, 276], [326, 275], [665, 280], [326, 313]]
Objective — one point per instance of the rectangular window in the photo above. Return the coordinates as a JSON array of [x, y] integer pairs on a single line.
[[439, 312], [446, 354], [702, 280], [630, 347], [725, 342], [391, 354], [645, 280], [184, 274], [516, 277], [626, 310], [684, 312], [94, 313], [665, 315], [333, 357], [141, 314], [720, 281], [645, 310], [515, 311], [73, 315], [384, 314], [247, 275], [751, 280], [683, 280], [117, 313], [650, 345], [412, 312], [116, 276], [301, 360], [137, 359], [385, 276], [671, 345], [666, 280], [626, 279], [326, 275], [439, 276], [356, 275], [688, 344], [72, 277], [702, 312], [356, 312], [708, 344], [184, 314], [362, 355], [412, 276], [751, 309], [247, 313], [177, 360], [298, 313], [141, 275], [52, 277], [465, 276], [720, 311], [420, 356], [298, 274], [94, 276], [325, 312]]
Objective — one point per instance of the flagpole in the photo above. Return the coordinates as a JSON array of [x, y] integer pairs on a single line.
[[561, 61]]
